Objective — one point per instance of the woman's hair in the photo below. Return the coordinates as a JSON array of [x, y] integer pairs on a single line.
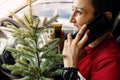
[[101, 6]]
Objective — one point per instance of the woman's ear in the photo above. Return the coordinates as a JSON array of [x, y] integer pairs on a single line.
[[108, 15]]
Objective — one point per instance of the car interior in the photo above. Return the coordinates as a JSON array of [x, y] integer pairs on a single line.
[[5, 56]]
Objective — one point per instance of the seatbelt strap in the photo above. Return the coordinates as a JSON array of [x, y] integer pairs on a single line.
[[116, 22]]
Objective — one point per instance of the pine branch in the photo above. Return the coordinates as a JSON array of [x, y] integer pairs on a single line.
[[34, 59]]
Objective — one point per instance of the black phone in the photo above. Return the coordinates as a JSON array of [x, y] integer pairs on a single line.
[[98, 25]]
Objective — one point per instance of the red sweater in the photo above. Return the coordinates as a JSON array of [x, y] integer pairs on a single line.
[[102, 62]]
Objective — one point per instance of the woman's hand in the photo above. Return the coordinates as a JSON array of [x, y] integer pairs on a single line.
[[73, 48]]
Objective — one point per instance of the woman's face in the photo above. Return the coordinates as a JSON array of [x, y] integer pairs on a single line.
[[82, 12]]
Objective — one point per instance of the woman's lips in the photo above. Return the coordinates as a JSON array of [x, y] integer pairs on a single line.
[[75, 25]]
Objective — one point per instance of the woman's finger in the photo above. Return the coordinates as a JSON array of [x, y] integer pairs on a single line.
[[84, 38], [69, 37], [80, 33]]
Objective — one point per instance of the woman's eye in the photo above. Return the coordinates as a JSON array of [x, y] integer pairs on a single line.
[[78, 12]]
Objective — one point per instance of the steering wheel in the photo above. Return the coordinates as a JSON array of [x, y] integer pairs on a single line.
[[5, 41]]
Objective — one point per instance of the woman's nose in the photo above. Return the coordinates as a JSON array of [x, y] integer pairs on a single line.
[[72, 19]]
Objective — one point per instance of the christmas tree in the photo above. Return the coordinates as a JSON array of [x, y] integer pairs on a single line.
[[35, 58]]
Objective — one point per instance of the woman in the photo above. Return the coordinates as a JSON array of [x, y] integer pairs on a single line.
[[100, 59]]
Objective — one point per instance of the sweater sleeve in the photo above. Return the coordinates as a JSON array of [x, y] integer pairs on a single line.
[[106, 69]]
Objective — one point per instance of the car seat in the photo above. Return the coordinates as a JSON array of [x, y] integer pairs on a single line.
[[5, 41]]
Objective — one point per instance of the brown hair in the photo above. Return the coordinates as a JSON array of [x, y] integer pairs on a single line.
[[101, 6]]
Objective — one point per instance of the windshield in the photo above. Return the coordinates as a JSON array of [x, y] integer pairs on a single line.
[[49, 7], [40, 7]]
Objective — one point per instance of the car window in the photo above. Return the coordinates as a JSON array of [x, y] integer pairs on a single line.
[[48, 7], [40, 8]]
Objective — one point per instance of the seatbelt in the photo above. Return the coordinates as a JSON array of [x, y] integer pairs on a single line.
[[116, 22]]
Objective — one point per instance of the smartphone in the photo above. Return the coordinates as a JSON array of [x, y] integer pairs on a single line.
[[98, 25]]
